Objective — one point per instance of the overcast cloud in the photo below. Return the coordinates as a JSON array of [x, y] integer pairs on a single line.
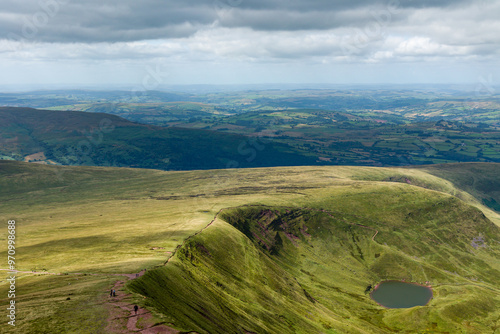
[[248, 41]]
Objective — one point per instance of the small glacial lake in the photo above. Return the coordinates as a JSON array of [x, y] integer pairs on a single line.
[[396, 294]]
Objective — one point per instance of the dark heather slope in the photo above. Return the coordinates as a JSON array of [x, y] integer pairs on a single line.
[[95, 139]]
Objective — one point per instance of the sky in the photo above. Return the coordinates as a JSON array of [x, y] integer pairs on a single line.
[[148, 44]]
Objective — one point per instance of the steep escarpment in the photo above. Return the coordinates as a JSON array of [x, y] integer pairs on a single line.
[[260, 269]]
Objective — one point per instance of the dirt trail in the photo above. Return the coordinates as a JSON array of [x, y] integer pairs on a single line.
[[122, 317], [121, 309]]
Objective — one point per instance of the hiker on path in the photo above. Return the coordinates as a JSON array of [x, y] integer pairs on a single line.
[[111, 293], [114, 293], [136, 308]]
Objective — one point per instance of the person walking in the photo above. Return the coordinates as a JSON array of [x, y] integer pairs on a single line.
[[114, 293], [111, 293], [136, 308]]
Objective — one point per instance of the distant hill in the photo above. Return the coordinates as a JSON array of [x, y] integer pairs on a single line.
[[96, 139], [196, 140], [365, 139]]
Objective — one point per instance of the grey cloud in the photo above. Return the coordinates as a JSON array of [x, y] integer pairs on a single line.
[[132, 20], [271, 20], [340, 5], [98, 21]]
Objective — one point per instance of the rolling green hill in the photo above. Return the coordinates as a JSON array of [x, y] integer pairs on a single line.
[[480, 180], [290, 250], [348, 138], [253, 139], [95, 139], [394, 104]]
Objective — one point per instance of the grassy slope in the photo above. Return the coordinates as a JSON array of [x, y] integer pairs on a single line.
[[96, 139], [480, 180], [446, 178], [303, 271], [43, 307], [120, 214]]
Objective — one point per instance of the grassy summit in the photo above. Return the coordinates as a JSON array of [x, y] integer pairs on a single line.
[[292, 249]]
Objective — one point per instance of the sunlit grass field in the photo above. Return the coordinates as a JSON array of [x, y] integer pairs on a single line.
[[105, 221]]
